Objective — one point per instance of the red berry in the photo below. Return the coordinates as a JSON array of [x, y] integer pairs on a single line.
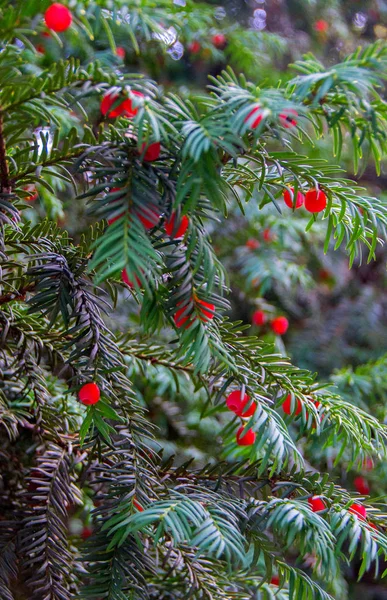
[[172, 230], [373, 526], [33, 193], [280, 325], [267, 236], [245, 438], [120, 52], [287, 118], [149, 217], [206, 309], [194, 47], [40, 48], [86, 533], [137, 505], [315, 200], [152, 152], [361, 485], [368, 464], [236, 403], [316, 504], [124, 109], [125, 279], [287, 406], [359, 510], [89, 394], [259, 318], [58, 17], [219, 40], [321, 26], [182, 316], [275, 580], [252, 244], [289, 198], [254, 117]]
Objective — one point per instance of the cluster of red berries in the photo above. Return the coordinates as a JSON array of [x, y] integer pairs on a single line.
[[315, 200], [279, 325], [288, 118], [58, 17], [317, 505], [219, 40], [239, 403]]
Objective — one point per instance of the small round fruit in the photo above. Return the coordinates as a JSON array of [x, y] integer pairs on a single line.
[[124, 108], [149, 217], [252, 244], [89, 394], [219, 40], [58, 17], [316, 504], [287, 118], [254, 118], [275, 580], [289, 198], [182, 317], [137, 505], [361, 485], [287, 406], [267, 235], [245, 438], [359, 510], [86, 533], [207, 309], [172, 230], [237, 404], [194, 47], [259, 318], [152, 152], [280, 325], [315, 200], [321, 26], [120, 52]]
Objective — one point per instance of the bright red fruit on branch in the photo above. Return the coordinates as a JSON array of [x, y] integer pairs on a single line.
[[361, 485], [89, 394], [274, 580], [315, 200], [172, 230], [33, 194], [289, 198], [280, 325], [237, 404], [137, 505], [149, 217], [152, 152], [125, 279], [316, 504], [359, 510], [321, 26], [120, 52], [287, 118], [245, 438], [207, 309], [86, 533], [259, 318], [123, 109], [58, 17], [252, 244], [254, 117], [287, 406], [219, 40], [194, 47], [267, 235], [182, 317]]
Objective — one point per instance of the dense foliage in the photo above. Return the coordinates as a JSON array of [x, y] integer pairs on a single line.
[[152, 447]]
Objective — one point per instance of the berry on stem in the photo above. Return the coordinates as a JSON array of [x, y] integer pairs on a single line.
[[254, 118], [252, 244], [125, 279], [120, 52], [359, 510], [182, 316], [287, 406], [207, 309], [287, 118], [176, 231], [89, 394], [58, 17], [275, 580], [219, 40], [86, 533], [289, 198], [315, 200], [245, 437], [361, 485], [124, 108], [321, 26], [137, 505], [280, 325], [149, 217], [267, 235], [152, 152], [236, 404], [194, 47], [259, 318], [316, 504]]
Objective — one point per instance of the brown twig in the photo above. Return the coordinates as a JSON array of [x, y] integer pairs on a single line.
[[16, 294]]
